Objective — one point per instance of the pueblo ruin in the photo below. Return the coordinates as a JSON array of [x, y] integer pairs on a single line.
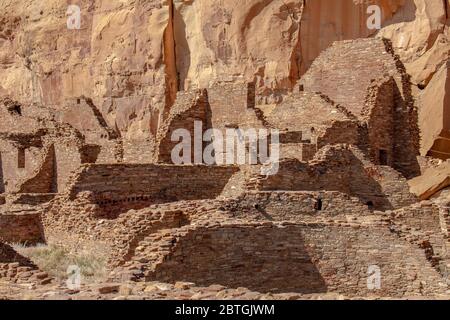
[[357, 204]]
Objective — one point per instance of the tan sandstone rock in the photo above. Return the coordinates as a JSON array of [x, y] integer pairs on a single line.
[[434, 116], [431, 182], [130, 57], [419, 33]]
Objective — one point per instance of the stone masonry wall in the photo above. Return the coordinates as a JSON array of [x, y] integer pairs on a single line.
[[41, 160], [350, 66], [44, 179], [380, 124], [189, 107], [301, 151], [302, 111], [304, 258], [294, 205], [21, 228], [11, 173], [127, 179], [77, 224], [139, 151], [339, 132], [369, 80], [229, 106], [125, 182], [423, 217], [344, 169]]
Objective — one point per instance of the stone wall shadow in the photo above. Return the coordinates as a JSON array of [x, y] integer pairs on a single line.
[[2, 181], [9, 255], [362, 184], [265, 259]]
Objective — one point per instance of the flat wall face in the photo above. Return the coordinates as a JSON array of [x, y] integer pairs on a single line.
[[301, 151], [21, 228], [230, 107], [138, 151], [339, 132], [423, 216], [11, 173], [299, 258], [43, 179], [189, 108], [381, 126], [349, 66], [295, 206], [303, 111], [68, 159], [155, 182]]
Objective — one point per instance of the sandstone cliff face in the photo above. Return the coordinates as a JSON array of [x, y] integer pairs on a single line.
[[272, 42], [434, 115], [131, 57], [116, 58], [420, 35], [219, 40]]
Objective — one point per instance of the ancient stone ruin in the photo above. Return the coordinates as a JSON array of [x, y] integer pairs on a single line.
[[355, 205]]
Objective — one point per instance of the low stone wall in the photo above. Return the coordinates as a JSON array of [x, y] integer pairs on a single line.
[[30, 198], [117, 182], [78, 226], [21, 228], [294, 206], [303, 258]]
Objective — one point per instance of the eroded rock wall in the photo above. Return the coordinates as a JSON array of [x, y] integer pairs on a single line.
[[130, 57]]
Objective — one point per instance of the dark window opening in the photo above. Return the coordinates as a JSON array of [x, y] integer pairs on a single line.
[[383, 157], [319, 205], [78, 101], [301, 88], [21, 158], [251, 95], [15, 109], [370, 205]]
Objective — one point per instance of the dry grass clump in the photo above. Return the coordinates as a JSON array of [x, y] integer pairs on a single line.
[[55, 260]]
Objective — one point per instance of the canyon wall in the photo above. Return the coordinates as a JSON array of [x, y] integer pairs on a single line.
[[131, 57]]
